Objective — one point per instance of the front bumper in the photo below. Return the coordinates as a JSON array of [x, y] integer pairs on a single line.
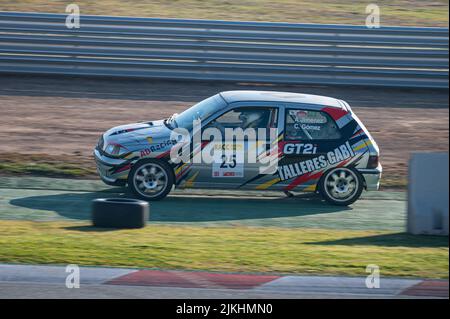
[[111, 169], [372, 177]]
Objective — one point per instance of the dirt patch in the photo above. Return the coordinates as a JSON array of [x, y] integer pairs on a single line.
[[42, 121]]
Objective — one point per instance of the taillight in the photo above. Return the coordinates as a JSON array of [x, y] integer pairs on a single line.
[[373, 161]]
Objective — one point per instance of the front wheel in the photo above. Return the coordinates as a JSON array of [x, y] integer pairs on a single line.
[[151, 179], [341, 186]]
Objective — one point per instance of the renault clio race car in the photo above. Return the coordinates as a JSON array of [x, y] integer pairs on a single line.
[[321, 146]]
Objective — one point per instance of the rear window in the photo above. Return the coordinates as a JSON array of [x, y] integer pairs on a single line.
[[310, 125]]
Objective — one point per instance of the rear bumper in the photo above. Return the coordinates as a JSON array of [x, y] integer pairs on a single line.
[[372, 177]]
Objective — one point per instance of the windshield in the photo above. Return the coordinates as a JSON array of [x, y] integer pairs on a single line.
[[200, 111]]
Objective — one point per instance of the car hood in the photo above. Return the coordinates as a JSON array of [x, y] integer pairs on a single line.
[[137, 133]]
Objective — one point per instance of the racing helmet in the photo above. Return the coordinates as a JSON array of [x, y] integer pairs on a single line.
[[250, 118]]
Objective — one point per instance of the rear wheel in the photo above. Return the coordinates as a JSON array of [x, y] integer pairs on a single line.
[[151, 179], [341, 186]]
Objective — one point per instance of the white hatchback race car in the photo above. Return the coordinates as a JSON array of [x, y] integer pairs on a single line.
[[320, 144]]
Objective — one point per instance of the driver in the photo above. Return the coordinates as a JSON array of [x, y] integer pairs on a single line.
[[250, 119]]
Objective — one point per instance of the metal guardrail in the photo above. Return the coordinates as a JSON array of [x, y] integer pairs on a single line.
[[224, 50]]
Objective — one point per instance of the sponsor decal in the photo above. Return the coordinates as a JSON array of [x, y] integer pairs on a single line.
[[333, 157], [145, 152], [228, 167], [228, 160], [300, 148], [157, 147], [229, 147]]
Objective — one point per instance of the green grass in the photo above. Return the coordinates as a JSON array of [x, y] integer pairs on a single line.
[[230, 249], [393, 12], [46, 169]]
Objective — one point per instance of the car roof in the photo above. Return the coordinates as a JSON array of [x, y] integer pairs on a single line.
[[282, 97]]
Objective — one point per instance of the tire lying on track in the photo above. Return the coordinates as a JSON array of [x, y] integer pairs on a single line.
[[341, 186], [119, 213], [151, 179]]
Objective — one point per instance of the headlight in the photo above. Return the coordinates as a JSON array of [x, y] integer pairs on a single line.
[[115, 149]]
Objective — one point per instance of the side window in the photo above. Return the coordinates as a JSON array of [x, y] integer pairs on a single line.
[[247, 118], [310, 125]]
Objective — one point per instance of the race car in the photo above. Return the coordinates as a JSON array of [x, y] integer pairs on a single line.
[[314, 143]]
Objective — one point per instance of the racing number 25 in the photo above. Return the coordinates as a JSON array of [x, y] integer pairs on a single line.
[[228, 162]]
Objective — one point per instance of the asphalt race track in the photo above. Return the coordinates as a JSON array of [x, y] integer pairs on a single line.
[[44, 199], [18, 281]]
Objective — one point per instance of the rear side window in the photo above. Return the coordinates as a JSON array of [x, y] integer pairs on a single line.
[[310, 125]]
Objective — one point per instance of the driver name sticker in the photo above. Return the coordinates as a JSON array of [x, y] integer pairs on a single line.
[[307, 117]]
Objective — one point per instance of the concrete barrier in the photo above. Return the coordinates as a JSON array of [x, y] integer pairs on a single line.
[[428, 194]]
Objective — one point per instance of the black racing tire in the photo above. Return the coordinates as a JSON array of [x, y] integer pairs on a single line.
[[135, 185], [329, 188], [119, 213]]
